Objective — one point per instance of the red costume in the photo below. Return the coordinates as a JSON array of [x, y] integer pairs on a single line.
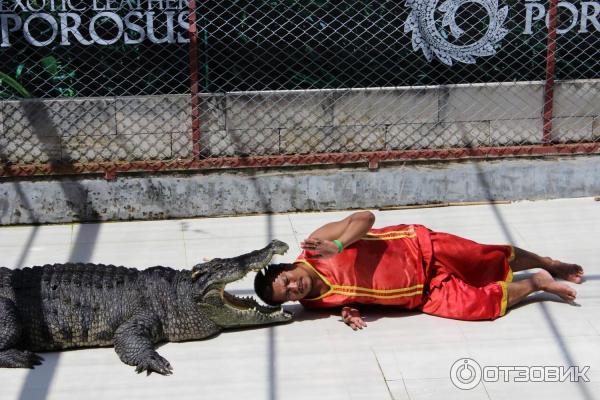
[[413, 267]]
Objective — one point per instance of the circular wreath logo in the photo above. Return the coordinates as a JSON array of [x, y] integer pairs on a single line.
[[426, 37]]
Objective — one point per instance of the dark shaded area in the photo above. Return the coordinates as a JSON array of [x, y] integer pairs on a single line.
[[584, 391], [540, 298], [37, 384], [370, 313]]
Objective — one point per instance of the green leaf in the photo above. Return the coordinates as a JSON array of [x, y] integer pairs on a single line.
[[19, 71], [67, 92], [50, 64], [14, 84]]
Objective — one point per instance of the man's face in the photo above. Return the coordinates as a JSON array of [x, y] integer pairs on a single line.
[[291, 284]]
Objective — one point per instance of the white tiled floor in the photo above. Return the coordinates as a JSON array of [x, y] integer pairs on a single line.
[[401, 355]]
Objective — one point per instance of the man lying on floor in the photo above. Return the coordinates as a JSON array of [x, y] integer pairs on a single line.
[[347, 262]]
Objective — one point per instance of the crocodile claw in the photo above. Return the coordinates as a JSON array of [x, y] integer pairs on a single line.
[[154, 362], [13, 358]]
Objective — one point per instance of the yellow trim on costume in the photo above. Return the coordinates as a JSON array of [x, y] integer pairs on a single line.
[[509, 275], [505, 282], [395, 296], [409, 230], [512, 254], [390, 235], [356, 290], [305, 262], [504, 303], [391, 291], [408, 235], [327, 293]]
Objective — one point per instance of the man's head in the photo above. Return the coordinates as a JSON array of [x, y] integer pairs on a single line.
[[282, 282]]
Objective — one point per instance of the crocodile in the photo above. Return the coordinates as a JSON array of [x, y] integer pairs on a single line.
[[76, 305]]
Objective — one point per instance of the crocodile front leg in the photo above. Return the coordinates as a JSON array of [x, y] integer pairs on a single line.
[[10, 333], [134, 343]]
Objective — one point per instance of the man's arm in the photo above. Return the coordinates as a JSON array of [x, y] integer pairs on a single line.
[[351, 317], [347, 231]]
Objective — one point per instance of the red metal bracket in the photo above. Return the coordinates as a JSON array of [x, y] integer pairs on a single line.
[[373, 164], [111, 169]]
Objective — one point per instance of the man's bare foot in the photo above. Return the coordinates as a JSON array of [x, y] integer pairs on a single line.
[[544, 281], [568, 272]]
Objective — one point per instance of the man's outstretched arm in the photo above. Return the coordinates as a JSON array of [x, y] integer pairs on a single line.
[[347, 231]]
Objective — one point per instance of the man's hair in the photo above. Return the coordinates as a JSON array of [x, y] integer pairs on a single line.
[[263, 282]]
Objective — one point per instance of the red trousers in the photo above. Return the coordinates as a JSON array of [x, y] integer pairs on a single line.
[[467, 280]]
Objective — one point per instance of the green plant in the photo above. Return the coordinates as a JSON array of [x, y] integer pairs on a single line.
[[12, 83], [59, 76]]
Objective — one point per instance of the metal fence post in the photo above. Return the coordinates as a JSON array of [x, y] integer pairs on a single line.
[[550, 72], [195, 115]]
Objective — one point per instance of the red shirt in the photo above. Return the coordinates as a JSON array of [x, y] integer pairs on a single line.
[[387, 266]]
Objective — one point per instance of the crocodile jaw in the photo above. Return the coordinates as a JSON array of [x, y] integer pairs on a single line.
[[250, 309], [230, 311]]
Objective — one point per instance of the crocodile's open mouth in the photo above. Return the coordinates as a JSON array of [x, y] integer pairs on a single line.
[[248, 303], [227, 308]]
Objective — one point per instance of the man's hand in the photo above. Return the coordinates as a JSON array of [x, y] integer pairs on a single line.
[[352, 318], [319, 248]]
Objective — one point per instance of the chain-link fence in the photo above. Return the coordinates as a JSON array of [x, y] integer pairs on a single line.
[[121, 85]]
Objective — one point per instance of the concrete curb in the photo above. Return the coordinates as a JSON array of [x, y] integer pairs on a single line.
[[64, 200]]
